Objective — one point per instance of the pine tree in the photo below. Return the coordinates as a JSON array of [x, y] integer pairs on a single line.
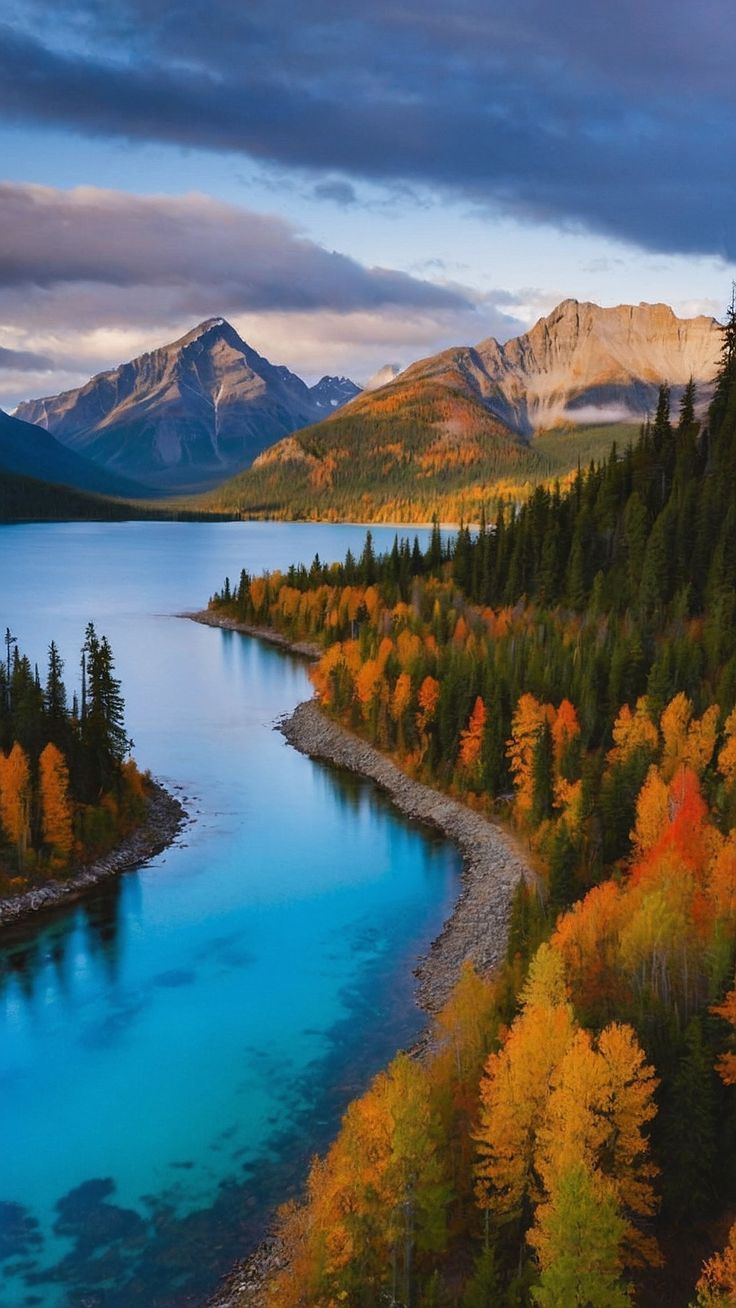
[[691, 1129]]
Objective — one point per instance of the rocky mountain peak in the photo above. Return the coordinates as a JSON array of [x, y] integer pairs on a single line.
[[189, 413]]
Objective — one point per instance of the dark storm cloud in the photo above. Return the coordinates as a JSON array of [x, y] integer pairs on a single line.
[[618, 117], [249, 261], [23, 361]]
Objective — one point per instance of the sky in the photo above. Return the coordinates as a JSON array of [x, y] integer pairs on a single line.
[[352, 184]]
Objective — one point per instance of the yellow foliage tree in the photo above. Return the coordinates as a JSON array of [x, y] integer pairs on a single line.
[[632, 732], [717, 1285], [56, 808], [727, 755], [428, 700], [687, 740], [652, 810], [515, 1090], [527, 723]]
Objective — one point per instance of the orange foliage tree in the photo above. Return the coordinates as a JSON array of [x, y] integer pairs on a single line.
[[56, 808], [471, 739], [15, 798]]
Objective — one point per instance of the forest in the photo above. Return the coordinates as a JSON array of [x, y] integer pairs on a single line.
[[569, 1137], [68, 789], [404, 454]]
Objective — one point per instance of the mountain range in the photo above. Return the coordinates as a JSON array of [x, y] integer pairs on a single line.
[[445, 434], [188, 415], [452, 431]]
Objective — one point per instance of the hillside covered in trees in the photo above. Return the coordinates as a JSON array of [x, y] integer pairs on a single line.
[[68, 789], [570, 1138], [436, 453], [28, 499]]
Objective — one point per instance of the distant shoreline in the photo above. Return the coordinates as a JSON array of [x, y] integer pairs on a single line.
[[476, 929], [165, 817]]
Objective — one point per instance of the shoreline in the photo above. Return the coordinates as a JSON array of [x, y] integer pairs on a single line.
[[306, 649], [164, 820], [492, 867], [476, 929]]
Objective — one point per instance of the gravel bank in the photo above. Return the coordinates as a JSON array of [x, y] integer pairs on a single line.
[[163, 821], [492, 866], [308, 649]]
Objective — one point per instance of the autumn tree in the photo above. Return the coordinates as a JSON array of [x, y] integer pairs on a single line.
[[515, 1089], [471, 739], [578, 1243], [15, 799], [717, 1285], [56, 809]]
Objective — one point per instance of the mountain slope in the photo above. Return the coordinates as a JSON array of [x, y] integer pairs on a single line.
[[189, 414], [30, 451], [28, 499], [452, 432]]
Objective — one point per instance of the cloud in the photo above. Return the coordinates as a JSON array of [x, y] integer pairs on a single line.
[[90, 278], [23, 361], [339, 192], [92, 236], [618, 119], [592, 414]]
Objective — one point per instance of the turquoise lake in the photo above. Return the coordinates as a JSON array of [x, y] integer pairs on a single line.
[[174, 1050]]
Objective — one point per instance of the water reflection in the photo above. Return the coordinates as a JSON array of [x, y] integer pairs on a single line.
[[50, 944]]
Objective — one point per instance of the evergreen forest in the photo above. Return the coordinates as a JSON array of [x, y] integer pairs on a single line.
[[68, 789]]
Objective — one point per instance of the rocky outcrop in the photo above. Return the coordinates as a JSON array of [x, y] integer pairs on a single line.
[[581, 363], [330, 393], [189, 414]]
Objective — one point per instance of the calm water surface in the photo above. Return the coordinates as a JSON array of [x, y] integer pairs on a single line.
[[173, 1051]]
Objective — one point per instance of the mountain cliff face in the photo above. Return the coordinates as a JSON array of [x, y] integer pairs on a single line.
[[189, 414], [452, 432], [581, 364]]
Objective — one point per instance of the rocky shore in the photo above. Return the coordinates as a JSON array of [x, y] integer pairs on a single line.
[[476, 929], [492, 866], [308, 649], [163, 821]]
